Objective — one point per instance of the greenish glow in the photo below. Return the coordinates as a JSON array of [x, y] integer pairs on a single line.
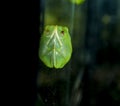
[[77, 1]]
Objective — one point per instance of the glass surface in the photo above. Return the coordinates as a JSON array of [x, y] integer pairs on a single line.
[[94, 27]]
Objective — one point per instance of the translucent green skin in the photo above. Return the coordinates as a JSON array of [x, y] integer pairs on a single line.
[[55, 46]]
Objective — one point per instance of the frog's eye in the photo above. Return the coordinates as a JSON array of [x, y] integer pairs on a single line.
[[62, 32], [47, 31]]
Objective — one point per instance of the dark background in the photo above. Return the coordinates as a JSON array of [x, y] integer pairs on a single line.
[[92, 77], [96, 73]]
